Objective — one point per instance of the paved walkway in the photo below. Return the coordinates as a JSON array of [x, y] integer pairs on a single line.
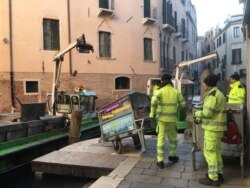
[[140, 171]]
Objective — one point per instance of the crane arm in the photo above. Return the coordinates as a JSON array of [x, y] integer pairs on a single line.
[[82, 47], [190, 62], [187, 63]]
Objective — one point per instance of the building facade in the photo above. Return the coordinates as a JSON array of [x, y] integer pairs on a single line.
[[230, 46], [132, 40]]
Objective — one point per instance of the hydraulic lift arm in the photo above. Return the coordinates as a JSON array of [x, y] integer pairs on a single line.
[[82, 47], [190, 62]]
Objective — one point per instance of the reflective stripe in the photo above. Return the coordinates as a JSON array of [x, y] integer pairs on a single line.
[[235, 99], [167, 104], [213, 123], [153, 105], [166, 114], [215, 111]]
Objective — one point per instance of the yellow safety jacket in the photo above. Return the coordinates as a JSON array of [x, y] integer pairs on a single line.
[[213, 114], [155, 88], [237, 93], [164, 104]]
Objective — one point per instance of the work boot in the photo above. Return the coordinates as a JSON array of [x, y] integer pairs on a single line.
[[173, 159], [220, 177], [208, 181], [160, 164]]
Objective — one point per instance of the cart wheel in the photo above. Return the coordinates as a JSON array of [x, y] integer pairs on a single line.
[[117, 146], [137, 141]]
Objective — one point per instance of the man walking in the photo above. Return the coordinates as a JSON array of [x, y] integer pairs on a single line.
[[213, 117], [164, 104]]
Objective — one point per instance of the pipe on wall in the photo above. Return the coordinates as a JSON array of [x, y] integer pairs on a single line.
[[69, 36], [12, 88]]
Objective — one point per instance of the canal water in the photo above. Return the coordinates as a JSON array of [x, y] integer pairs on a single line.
[[25, 178]]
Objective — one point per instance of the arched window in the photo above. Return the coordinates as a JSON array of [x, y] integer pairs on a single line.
[[122, 82]]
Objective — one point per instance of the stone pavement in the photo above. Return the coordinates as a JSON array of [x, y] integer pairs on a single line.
[[140, 171]]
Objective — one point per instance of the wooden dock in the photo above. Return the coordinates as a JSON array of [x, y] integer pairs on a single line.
[[89, 159]]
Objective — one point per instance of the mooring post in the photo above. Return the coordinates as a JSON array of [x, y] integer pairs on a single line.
[[74, 129]]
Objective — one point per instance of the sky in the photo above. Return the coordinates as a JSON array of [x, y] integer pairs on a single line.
[[213, 12]]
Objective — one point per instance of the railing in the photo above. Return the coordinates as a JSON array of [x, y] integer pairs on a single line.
[[106, 8], [171, 21], [152, 13]]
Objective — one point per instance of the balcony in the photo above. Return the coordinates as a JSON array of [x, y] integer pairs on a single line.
[[106, 8], [177, 33], [150, 17], [185, 34], [168, 28], [169, 25]]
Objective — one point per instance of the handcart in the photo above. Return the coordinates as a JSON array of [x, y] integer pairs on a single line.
[[126, 117], [227, 149]]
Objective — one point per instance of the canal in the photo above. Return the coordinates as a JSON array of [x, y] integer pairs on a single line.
[[25, 178]]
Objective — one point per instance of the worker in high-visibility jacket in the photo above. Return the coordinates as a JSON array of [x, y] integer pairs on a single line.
[[237, 91], [213, 118], [164, 105]]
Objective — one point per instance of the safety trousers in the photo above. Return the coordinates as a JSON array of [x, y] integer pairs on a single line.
[[212, 153], [163, 129]]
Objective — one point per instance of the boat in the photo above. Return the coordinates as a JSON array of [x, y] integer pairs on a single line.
[[23, 141]]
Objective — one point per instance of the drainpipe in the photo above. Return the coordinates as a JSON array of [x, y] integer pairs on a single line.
[[69, 37], [11, 57], [168, 59]]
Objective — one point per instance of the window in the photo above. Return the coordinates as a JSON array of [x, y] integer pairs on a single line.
[[183, 27], [174, 55], [147, 8], [87, 104], [51, 37], [183, 2], [182, 55], [243, 72], [236, 32], [236, 56], [75, 102], [104, 4], [148, 52], [31, 87], [122, 83], [104, 44], [224, 38]]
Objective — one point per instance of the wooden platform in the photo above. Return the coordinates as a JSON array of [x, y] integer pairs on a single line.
[[87, 159]]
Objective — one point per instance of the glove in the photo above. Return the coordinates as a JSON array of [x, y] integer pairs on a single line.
[[152, 120], [197, 120]]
